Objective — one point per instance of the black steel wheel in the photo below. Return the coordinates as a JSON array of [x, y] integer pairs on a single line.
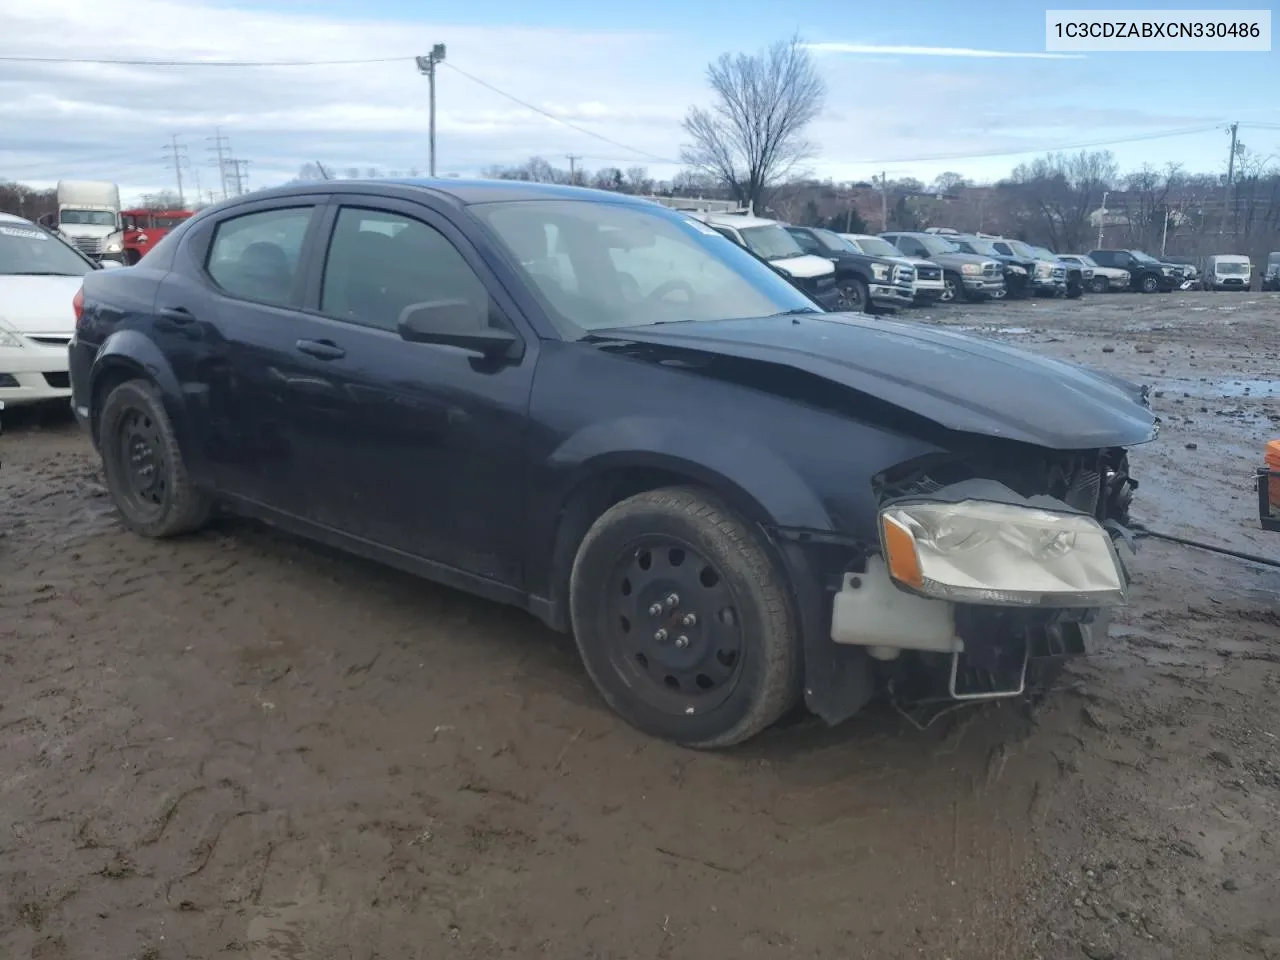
[[682, 619], [143, 464], [853, 294]]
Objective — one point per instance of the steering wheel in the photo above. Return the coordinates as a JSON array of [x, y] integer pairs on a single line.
[[662, 289]]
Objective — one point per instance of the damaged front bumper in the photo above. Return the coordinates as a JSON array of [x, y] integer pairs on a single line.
[[970, 585]]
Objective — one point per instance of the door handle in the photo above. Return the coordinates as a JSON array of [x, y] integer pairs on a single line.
[[321, 349], [178, 315]]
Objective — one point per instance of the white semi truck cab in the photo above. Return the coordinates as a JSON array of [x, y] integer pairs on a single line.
[[89, 214]]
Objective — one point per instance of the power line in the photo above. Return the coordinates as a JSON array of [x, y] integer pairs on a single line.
[[129, 62], [551, 116]]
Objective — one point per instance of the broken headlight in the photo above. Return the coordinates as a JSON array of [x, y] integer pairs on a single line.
[[977, 551]]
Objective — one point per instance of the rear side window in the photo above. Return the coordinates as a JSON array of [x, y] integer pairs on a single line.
[[255, 256]]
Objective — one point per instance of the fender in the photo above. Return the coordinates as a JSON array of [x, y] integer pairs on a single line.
[[577, 487], [131, 351]]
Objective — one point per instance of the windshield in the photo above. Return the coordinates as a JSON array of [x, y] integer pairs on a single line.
[[771, 242], [936, 245], [1230, 267], [1021, 249], [984, 247], [30, 251], [1145, 258], [96, 218], [1044, 253], [1083, 260], [833, 241], [596, 266], [876, 247]]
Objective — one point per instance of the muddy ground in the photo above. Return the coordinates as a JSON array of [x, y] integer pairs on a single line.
[[241, 746]]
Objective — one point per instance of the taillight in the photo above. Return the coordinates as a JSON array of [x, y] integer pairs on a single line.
[[77, 305]]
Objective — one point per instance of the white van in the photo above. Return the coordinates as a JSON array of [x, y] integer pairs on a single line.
[[1228, 271]]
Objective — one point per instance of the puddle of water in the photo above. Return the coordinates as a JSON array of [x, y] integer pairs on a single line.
[[1225, 388]]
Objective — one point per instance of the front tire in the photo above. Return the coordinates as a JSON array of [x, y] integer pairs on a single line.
[[1150, 284], [143, 464], [952, 288], [682, 619], [854, 296], [1100, 284]]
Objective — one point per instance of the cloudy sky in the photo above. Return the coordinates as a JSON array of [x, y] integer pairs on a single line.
[[915, 88]]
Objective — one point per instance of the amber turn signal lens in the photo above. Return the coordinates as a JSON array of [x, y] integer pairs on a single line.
[[900, 552]]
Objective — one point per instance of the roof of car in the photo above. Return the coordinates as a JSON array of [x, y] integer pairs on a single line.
[[464, 192]]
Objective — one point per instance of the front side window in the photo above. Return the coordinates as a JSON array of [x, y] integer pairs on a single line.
[[597, 266], [255, 256], [30, 251], [380, 263]]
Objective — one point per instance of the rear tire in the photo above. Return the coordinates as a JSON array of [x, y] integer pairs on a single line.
[[683, 619], [143, 464]]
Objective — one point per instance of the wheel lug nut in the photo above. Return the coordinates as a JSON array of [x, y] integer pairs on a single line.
[[689, 619], [660, 636], [655, 609], [673, 600], [682, 641]]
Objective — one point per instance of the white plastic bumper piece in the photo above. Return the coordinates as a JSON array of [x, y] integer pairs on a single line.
[[870, 611]]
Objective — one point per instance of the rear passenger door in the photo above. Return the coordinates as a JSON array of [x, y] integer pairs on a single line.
[[226, 317], [423, 444]]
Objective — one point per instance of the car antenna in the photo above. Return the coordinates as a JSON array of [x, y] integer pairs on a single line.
[[324, 174]]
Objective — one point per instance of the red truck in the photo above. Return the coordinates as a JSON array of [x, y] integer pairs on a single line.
[[143, 229]]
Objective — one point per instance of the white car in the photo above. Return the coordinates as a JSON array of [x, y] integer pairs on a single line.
[[1104, 278], [929, 284], [39, 276]]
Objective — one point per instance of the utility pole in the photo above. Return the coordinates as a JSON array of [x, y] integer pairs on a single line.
[[221, 149], [239, 174], [177, 155], [1164, 235], [1102, 218], [573, 170], [427, 65], [884, 200], [1231, 172]]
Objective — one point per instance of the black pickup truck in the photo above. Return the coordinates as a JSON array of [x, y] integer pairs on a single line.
[[865, 283], [1146, 273]]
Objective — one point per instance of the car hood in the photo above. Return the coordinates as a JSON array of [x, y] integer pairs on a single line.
[[963, 258], [804, 266], [39, 305], [964, 383]]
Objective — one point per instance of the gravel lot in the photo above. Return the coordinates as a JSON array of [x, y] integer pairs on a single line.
[[239, 745]]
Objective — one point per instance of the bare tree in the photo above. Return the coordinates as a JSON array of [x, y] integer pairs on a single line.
[[752, 137], [947, 182], [638, 180], [1056, 194]]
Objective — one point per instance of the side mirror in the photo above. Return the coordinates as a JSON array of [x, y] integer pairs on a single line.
[[453, 323], [110, 264]]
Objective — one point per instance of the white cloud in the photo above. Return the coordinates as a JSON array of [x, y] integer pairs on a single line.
[[878, 49], [112, 121]]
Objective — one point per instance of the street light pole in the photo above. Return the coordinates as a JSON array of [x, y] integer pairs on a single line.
[[1102, 217], [427, 65]]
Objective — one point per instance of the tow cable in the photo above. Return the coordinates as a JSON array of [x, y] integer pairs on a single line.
[[1144, 531]]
